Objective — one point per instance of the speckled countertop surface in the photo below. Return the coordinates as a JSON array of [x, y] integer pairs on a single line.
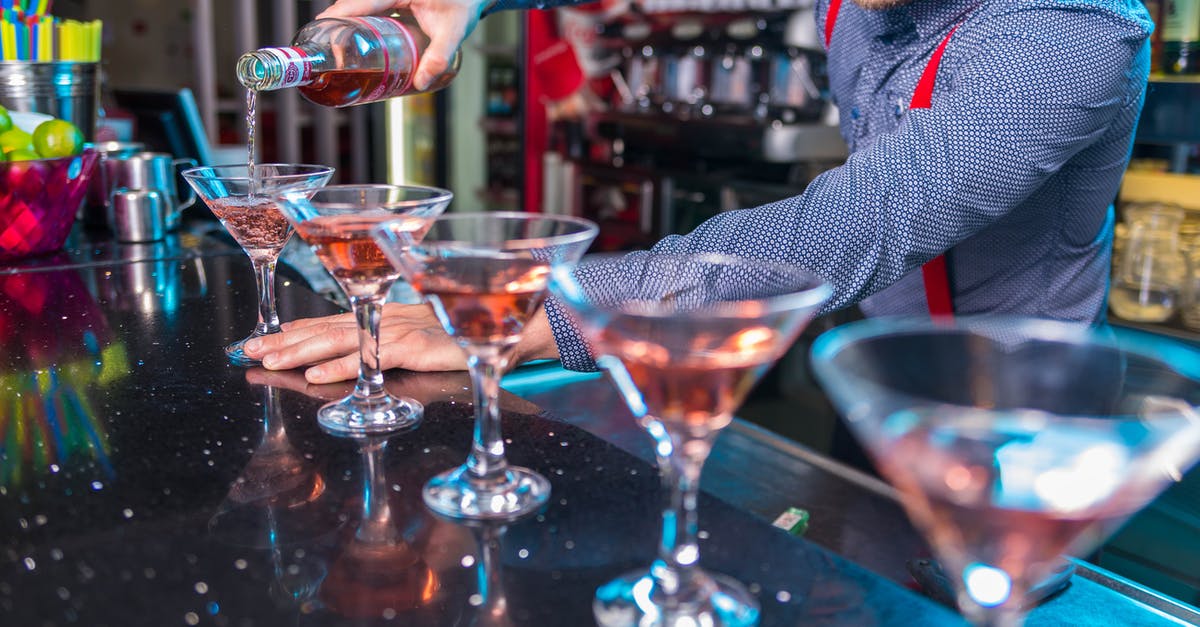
[[144, 481]]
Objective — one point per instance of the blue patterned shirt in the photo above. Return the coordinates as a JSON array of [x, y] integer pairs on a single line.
[[1012, 169]]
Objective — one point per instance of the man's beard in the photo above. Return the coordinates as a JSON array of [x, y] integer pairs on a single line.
[[881, 5]]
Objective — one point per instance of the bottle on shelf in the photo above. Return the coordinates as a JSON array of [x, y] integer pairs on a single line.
[[1181, 37], [338, 62]]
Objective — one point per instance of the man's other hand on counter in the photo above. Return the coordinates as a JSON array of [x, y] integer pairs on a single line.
[[410, 337]]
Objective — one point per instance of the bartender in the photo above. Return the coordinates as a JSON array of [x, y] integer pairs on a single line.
[[987, 139]]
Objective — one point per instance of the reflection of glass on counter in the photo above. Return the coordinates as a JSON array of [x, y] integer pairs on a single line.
[[267, 505], [55, 343], [380, 566], [152, 278]]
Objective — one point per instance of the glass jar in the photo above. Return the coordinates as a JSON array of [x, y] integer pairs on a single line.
[[1152, 270], [1189, 307]]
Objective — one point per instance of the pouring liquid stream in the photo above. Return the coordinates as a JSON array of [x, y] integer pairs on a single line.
[[251, 114]]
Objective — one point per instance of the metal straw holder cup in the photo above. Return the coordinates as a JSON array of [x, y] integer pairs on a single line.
[[68, 90]]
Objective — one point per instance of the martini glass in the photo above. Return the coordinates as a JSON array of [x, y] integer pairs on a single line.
[[1014, 441], [485, 276], [248, 209], [684, 337], [336, 224]]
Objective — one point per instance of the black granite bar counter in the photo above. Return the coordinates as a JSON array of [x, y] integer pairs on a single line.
[[144, 481], [147, 482]]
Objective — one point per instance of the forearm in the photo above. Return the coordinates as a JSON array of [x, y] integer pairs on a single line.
[[537, 340]]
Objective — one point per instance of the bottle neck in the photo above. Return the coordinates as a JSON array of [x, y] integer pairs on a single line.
[[268, 69]]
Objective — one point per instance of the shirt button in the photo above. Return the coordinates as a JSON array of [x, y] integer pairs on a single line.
[[854, 114]]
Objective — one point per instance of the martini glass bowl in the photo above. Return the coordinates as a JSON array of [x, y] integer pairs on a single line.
[[336, 224], [684, 337], [248, 208], [1014, 441], [485, 275]]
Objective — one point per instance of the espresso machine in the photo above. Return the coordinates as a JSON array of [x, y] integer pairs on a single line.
[[710, 112]]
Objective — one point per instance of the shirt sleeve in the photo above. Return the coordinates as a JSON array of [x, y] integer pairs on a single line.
[[504, 5], [1008, 114]]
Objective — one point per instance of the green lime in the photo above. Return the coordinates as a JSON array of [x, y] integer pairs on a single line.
[[57, 138], [15, 139], [22, 154], [5, 120]]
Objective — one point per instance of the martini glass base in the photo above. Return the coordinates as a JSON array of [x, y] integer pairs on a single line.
[[459, 494], [237, 355], [634, 599], [354, 416]]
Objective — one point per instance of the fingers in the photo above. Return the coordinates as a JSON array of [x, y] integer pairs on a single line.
[[447, 24], [342, 368], [295, 333], [350, 8], [403, 343], [433, 63], [307, 346]]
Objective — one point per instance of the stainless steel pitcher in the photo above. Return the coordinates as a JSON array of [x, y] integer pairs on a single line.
[[150, 171]]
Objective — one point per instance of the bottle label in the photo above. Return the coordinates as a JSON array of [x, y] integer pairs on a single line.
[[399, 71], [297, 68], [1181, 21]]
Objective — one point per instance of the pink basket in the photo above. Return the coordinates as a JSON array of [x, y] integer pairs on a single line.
[[39, 201]]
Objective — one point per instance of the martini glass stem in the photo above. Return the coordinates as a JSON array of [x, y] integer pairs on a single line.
[[368, 311], [264, 273], [486, 364], [677, 568]]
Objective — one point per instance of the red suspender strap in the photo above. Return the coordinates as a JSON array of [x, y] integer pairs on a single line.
[[923, 94], [835, 7], [935, 273], [937, 287]]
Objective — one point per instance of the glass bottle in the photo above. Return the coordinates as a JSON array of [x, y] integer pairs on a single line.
[[1152, 270], [1181, 37], [338, 62]]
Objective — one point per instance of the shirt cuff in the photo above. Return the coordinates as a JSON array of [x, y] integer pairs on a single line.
[[573, 350]]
